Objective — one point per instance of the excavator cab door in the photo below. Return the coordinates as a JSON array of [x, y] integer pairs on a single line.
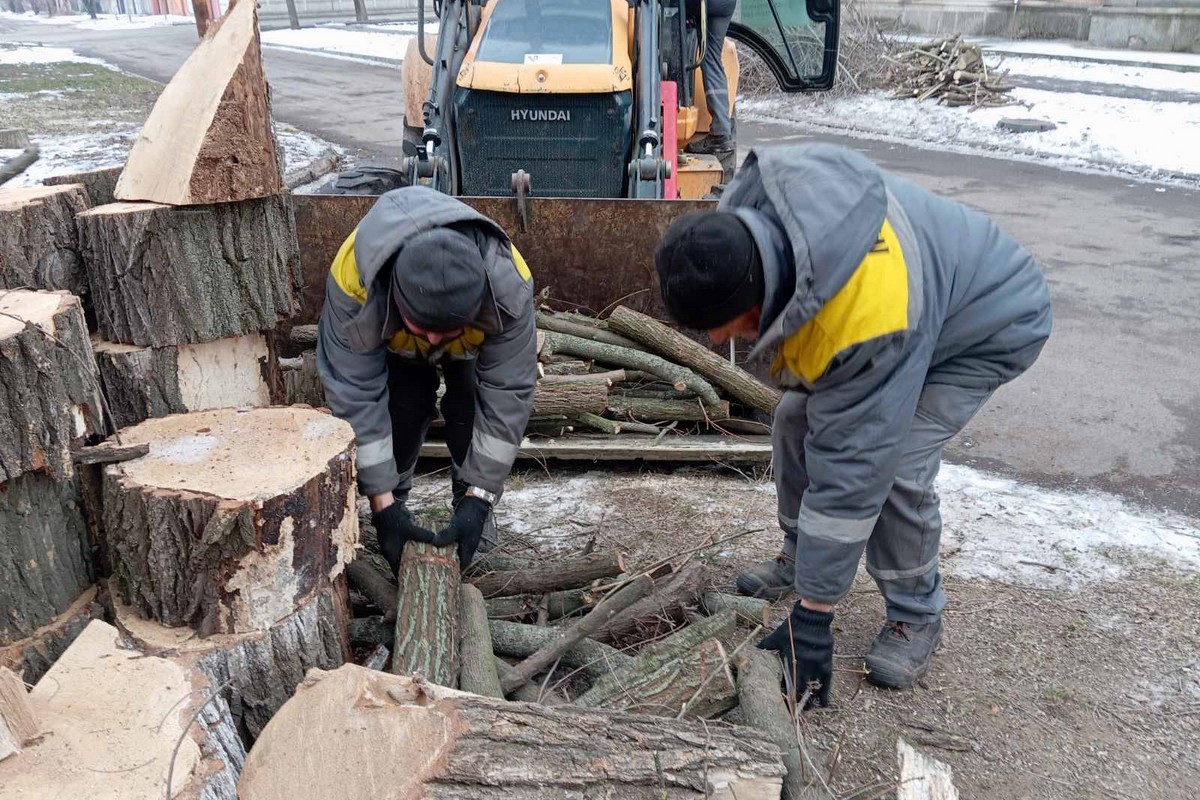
[[797, 39]]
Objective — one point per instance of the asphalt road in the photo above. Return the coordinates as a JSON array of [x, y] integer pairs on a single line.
[[1114, 402]]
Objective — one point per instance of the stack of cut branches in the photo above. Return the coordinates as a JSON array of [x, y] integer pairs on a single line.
[[951, 71], [630, 373]]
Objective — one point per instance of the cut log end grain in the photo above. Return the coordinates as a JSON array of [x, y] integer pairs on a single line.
[[39, 246], [234, 517], [19, 723]]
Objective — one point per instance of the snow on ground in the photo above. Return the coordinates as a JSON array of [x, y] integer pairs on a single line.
[[1065, 49], [1138, 137], [103, 22], [366, 44], [1163, 80], [1018, 533], [25, 53]]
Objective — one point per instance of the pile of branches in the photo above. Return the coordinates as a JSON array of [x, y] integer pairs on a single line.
[[950, 70], [631, 374]]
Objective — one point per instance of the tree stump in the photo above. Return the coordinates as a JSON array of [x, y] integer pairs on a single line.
[[265, 666], [165, 276], [39, 247], [427, 617], [113, 717], [234, 518], [50, 402], [100, 184], [145, 382], [348, 732], [33, 656]]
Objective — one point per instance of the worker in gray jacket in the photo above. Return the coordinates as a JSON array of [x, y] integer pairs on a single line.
[[892, 316], [426, 283]]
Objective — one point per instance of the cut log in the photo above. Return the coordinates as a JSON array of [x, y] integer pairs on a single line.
[[303, 383], [647, 409], [371, 631], [599, 423], [922, 777], [44, 560], [645, 618], [100, 184], [550, 322], [163, 276], [208, 138], [527, 692], [569, 399], [265, 666], [567, 366], [427, 618], [18, 722], [50, 402], [144, 707], [550, 576], [33, 656], [145, 382], [751, 609], [303, 336], [368, 579], [681, 349], [514, 640], [477, 663], [557, 605], [607, 377], [234, 518], [39, 246], [422, 740], [680, 377]]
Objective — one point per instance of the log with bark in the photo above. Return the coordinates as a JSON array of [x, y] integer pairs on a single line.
[[550, 576], [34, 655], [145, 382], [377, 585], [515, 640], [19, 725], [302, 383], [427, 617], [681, 349], [477, 663], [39, 246], [647, 409], [371, 631], [165, 276], [158, 719], [234, 518], [751, 609], [51, 401], [646, 617], [558, 324], [569, 398], [100, 184], [420, 739], [209, 138], [566, 366], [555, 604]]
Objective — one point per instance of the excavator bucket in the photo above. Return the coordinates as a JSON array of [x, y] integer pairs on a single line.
[[590, 254]]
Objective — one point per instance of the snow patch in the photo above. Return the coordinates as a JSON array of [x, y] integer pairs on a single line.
[[24, 53], [1163, 80], [365, 43]]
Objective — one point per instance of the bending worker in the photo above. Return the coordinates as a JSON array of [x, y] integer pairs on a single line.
[[892, 316], [426, 283], [719, 139]]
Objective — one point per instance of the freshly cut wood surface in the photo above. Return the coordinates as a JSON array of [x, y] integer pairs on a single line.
[[33, 656], [209, 138], [113, 717], [922, 777], [50, 401], [234, 517], [39, 246], [350, 732], [165, 276], [18, 721]]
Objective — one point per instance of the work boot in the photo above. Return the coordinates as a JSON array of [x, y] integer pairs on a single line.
[[768, 580], [711, 145], [901, 653]]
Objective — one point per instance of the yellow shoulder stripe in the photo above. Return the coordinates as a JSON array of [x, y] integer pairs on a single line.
[[519, 260], [873, 303], [345, 270]]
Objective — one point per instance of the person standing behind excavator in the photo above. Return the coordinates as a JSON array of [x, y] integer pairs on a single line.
[[426, 283], [893, 315], [719, 139]]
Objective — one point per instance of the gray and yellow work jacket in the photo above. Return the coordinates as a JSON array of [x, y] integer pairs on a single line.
[[874, 288], [358, 327]]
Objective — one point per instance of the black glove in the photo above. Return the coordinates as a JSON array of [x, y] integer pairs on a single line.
[[466, 528], [395, 526], [805, 643]]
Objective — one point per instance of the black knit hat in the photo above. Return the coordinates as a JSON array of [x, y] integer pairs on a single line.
[[709, 269], [438, 279]]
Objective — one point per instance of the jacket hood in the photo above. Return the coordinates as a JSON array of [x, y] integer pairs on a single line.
[[829, 202]]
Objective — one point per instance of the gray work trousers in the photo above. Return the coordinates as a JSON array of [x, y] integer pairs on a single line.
[[712, 70], [902, 553]]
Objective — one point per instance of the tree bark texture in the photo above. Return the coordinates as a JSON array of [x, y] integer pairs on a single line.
[[303, 384], [477, 663], [646, 409], [32, 656], [39, 246], [552, 322], [44, 559], [371, 631], [681, 349], [569, 399], [206, 533], [514, 640], [550, 576], [760, 699], [99, 184], [557, 605], [645, 618], [680, 377], [139, 382], [566, 367], [752, 609], [50, 400], [365, 576], [265, 667], [162, 275], [447, 745], [427, 615]]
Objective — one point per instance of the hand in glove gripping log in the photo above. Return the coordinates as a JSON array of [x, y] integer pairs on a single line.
[[805, 643], [396, 526]]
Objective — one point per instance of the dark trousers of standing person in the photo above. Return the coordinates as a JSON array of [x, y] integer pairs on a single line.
[[412, 401], [712, 70]]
